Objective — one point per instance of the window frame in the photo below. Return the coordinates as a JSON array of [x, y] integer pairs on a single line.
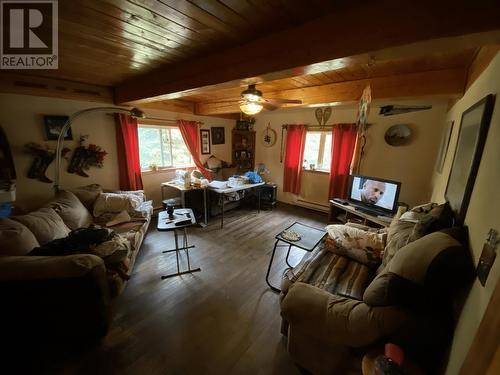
[[321, 150], [162, 148]]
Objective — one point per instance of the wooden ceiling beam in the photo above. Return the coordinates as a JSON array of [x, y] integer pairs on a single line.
[[450, 82], [351, 29]]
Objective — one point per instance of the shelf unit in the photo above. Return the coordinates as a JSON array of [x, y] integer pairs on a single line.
[[243, 150]]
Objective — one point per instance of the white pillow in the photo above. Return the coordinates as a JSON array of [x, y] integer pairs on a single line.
[[116, 203]]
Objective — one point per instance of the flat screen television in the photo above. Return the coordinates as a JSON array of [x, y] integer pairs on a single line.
[[374, 194]]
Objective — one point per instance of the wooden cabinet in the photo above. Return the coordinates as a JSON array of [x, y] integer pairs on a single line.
[[243, 150]]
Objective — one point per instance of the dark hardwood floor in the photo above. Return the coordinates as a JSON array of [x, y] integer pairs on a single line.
[[222, 320]]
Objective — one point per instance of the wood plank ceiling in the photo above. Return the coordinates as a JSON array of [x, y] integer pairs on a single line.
[[108, 43]]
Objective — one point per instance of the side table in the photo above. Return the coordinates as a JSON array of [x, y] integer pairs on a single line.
[[165, 224], [310, 237]]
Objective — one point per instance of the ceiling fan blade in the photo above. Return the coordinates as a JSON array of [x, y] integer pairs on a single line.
[[269, 106], [279, 101]]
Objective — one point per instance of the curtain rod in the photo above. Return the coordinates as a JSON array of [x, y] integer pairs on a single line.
[[161, 119], [285, 126]]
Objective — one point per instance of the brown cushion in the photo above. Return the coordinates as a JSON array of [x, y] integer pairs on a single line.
[[71, 210], [87, 195], [15, 238], [420, 270], [45, 224]]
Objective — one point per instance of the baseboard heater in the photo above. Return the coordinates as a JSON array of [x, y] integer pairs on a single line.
[[319, 206]]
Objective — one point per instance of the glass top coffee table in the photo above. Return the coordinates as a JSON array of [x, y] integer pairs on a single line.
[[309, 238]]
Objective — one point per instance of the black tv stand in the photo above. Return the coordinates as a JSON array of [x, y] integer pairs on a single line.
[[344, 213]]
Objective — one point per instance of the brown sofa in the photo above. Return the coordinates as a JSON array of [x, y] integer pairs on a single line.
[[61, 297], [337, 304]]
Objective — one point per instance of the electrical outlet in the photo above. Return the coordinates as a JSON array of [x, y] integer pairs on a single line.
[[488, 256]]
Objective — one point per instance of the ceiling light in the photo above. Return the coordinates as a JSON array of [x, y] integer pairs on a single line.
[[250, 107]]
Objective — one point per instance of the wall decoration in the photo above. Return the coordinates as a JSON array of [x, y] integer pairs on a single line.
[[205, 141], [218, 136], [323, 115], [364, 109], [269, 136], [85, 157], [443, 146], [43, 157], [398, 135], [471, 139], [53, 126], [390, 110]]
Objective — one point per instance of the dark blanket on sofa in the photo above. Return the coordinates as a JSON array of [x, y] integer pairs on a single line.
[[80, 240]]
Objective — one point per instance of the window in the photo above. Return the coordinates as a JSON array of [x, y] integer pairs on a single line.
[[318, 151], [162, 146]]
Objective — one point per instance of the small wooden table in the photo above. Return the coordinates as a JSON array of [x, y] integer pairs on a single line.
[[164, 224], [228, 190]]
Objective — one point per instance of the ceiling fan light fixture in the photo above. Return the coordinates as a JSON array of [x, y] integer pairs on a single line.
[[250, 108]]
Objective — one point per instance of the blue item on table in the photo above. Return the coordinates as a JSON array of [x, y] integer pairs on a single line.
[[253, 177], [5, 209]]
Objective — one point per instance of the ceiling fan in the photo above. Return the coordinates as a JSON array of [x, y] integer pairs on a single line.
[[252, 102]]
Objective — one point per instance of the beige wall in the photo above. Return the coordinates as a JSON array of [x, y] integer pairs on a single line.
[[411, 164], [21, 117], [484, 207], [152, 180]]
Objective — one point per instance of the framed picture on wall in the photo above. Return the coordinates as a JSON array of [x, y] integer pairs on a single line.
[[443, 147], [218, 136], [53, 126], [471, 139], [205, 141]]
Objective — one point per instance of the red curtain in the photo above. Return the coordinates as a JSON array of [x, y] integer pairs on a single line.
[[189, 131], [343, 142], [127, 144], [294, 156]]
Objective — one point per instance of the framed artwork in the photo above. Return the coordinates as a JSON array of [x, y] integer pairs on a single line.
[[218, 136], [205, 141], [471, 139], [443, 147], [53, 126]]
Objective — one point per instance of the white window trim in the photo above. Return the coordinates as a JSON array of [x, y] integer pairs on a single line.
[[164, 167], [321, 153]]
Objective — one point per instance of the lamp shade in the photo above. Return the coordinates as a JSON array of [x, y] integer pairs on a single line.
[[250, 108]]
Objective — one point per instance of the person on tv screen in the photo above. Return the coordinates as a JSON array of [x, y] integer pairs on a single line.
[[372, 191]]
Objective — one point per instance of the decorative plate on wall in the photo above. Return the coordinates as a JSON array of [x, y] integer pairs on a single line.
[[398, 135], [269, 136]]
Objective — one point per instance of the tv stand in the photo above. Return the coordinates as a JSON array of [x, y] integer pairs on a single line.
[[345, 213]]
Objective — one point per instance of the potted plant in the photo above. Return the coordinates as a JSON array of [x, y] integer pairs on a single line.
[[153, 167]]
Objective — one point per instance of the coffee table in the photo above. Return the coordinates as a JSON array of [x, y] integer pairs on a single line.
[[165, 225], [310, 237]]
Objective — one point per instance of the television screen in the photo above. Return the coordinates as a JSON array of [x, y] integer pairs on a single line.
[[374, 192]]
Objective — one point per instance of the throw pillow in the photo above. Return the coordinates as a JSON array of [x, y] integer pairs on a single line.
[[87, 195], [116, 203], [426, 269], [45, 224], [410, 226], [71, 210], [357, 244], [15, 238]]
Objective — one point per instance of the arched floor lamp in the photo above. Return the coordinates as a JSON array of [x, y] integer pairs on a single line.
[[134, 112]]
